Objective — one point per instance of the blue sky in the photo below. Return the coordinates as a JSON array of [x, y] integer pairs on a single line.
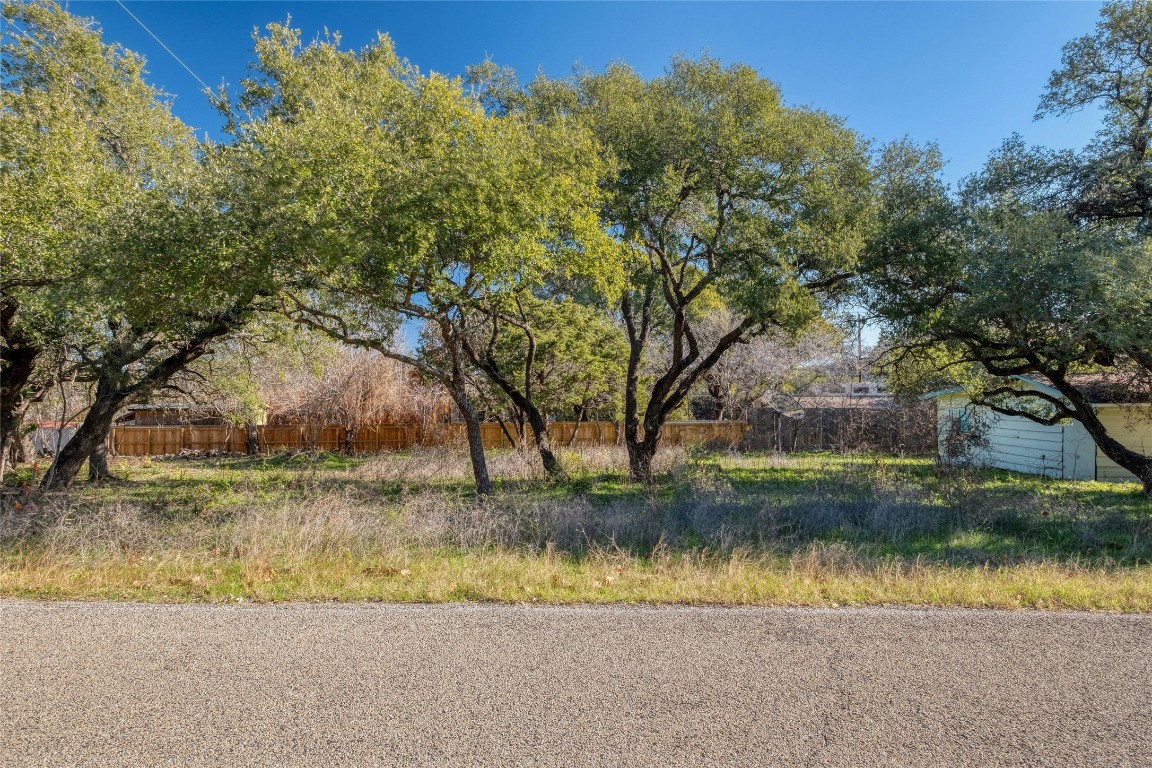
[[965, 75]]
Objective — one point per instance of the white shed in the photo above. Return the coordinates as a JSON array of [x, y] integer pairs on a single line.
[[1062, 450]]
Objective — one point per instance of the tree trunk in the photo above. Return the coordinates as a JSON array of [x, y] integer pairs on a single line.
[[98, 462], [475, 444], [719, 401], [671, 388], [576, 427], [8, 429], [641, 454], [21, 445], [639, 459], [91, 434], [1136, 463], [526, 412], [504, 428], [552, 466], [113, 389], [349, 440], [521, 429], [16, 367], [251, 439], [454, 379], [531, 416]]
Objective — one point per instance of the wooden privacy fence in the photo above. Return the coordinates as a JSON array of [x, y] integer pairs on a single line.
[[162, 441], [165, 441], [720, 433]]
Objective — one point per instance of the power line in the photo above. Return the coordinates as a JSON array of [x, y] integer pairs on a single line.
[[162, 45]]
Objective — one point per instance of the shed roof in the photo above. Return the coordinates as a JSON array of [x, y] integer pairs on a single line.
[[1126, 388], [1100, 388]]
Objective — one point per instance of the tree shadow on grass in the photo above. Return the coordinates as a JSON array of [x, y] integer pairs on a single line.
[[890, 508]]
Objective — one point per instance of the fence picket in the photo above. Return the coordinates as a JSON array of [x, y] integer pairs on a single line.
[[160, 441]]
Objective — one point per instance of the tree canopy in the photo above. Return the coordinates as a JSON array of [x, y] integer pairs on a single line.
[[1041, 266], [721, 188], [400, 198], [1110, 180], [597, 244], [83, 140]]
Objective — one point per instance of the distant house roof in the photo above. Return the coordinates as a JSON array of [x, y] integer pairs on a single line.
[[795, 405], [845, 401], [169, 407], [1031, 382], [158, 414]]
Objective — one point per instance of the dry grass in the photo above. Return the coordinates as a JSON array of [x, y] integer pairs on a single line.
[[717, 529]]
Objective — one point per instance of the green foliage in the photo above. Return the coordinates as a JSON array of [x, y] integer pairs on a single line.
[[996, 280], [578, 356], [1042, 264], [246, 368], [392, 195], [128, 255], [87, 145], [384, 183], [1112, 69], [718, 176], [724, 197], [121, 220]]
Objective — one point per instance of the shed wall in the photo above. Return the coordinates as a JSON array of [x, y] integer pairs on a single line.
[[1132, 426], [1079, 453], [1014, 442]]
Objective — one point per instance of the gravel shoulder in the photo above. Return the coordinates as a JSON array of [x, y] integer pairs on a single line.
[[380, 685]]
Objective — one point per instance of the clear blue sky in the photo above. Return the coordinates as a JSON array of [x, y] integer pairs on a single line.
[[965, 75]]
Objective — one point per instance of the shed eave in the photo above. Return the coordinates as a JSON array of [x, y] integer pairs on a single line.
[[954, 390], [940, 393]]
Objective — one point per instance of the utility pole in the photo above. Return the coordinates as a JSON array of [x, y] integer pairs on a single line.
[[859, 323]]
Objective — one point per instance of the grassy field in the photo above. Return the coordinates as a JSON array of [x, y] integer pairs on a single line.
[[759, 529]]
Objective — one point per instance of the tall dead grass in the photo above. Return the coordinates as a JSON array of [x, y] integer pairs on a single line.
[[802, 530], [424, 464]]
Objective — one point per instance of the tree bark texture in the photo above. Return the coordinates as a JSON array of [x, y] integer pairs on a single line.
[[251, 439], [88, 438], [475, 443], [98, 462]]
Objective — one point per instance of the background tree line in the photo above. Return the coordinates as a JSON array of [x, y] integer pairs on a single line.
[[592, 244]]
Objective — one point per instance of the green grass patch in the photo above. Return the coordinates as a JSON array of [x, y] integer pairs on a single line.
[[716, 528]]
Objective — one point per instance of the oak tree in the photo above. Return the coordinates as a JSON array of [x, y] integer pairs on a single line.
[[721, 187]]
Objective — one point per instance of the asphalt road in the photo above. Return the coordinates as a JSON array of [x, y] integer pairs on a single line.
[[114, 684]]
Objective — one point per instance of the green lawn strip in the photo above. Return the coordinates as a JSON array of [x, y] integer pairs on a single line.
[[521, 578]]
